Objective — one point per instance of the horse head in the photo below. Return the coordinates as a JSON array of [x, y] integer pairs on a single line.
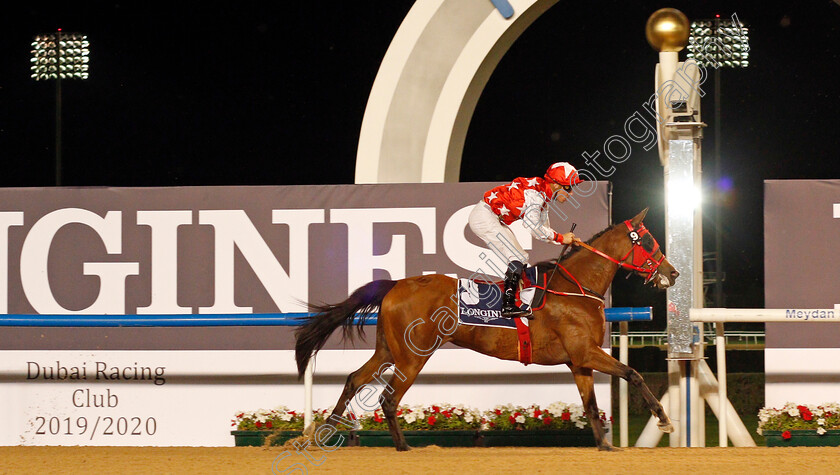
[[643, 255]]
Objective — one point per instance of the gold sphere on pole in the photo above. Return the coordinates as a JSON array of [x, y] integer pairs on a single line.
[[667, 30]]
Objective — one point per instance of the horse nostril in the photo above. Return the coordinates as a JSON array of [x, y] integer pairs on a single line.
[[674, 274]]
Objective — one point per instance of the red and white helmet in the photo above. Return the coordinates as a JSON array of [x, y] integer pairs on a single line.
[[563, 173]]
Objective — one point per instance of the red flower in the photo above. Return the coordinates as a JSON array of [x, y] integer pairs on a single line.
[[352, 416], [431, 420], [512, 420], [240, 415], [566, 416], [828, 414], [786, 435], [446, 414], [233, 424], [498, 412], [492, 424], [268, 424], [377, 417], [259, 424], [517, 414], [399, 413], [436, 409], [546, 420], [292, 413], [537, 412]]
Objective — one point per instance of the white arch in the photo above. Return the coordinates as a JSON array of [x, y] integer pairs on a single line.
[[427, 87]]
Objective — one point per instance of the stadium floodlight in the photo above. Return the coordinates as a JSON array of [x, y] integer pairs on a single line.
[[719, 43], [58, 56]]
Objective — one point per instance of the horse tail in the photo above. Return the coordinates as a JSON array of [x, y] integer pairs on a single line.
[[311, 336]]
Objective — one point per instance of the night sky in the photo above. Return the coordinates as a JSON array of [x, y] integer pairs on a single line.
[[273, 93]]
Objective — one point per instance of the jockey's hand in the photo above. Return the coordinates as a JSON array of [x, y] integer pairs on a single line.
[[568, 238]]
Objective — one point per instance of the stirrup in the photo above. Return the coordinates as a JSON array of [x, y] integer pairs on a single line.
[[516, 312]]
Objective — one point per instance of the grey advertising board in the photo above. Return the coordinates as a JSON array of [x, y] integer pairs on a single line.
[[230, 250], [802, 258]]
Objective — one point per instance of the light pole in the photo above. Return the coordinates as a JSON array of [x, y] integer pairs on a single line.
[[719, 44], [59, 56]]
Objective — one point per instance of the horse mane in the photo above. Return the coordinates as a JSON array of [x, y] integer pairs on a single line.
[[546, 266]]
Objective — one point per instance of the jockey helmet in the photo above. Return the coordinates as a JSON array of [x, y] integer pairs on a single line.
[[563, 173]]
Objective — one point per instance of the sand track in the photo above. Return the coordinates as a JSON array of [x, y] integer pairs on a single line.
[[363, 460]]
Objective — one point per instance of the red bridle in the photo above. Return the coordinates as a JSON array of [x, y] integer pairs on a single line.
[[643, 248]]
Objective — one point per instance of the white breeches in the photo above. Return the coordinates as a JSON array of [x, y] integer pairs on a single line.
[[498, 237]]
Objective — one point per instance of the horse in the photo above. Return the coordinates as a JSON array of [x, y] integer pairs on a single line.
[[569, 329]]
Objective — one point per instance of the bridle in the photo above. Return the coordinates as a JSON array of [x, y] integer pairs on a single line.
[[642, 251]]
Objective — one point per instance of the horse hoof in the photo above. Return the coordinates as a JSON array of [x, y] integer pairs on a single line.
[[403, 448], [608, 448], [666, 427]]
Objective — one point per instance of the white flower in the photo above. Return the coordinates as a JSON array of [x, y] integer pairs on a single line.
[[793, 412], [286, 417], [485, 426], [821, 430], [759, 431], [580, 424], [520, 419], [821, 421], [468, 418]]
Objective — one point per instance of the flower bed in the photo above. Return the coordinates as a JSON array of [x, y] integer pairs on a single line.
[[797, 424], [446, 425]]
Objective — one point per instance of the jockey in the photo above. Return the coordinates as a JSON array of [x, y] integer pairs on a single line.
[[526, 199]]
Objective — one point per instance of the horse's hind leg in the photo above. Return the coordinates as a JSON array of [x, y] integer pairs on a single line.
[[360, 377], [404, 376], [600, 361], [586, 386]]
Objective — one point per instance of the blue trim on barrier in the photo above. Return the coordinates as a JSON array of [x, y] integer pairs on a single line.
[[618, 314]]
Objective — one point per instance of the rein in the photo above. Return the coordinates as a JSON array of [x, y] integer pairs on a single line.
[[648, 267]]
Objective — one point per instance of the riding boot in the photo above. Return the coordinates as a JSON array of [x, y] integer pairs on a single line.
[[509, 308]]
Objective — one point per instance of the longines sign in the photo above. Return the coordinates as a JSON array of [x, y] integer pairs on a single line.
[[223, 250]]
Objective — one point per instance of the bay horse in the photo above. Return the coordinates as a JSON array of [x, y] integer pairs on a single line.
[[569, 329]]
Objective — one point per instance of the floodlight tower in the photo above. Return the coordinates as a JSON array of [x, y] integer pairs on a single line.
[[59, 56], [719, 44]]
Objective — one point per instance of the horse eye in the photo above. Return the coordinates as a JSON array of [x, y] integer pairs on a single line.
[[647, 243]]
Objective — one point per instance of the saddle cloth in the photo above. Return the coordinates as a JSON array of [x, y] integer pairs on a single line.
[[480, 302]]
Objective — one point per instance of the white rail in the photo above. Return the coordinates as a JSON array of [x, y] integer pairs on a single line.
[[761, 315]]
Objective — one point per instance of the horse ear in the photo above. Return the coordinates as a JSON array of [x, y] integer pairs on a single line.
[[639, 217]]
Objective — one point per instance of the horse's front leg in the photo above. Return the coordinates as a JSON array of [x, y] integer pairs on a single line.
[[598, 360], [586, 386]]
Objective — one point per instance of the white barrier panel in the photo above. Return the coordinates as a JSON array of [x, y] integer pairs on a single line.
[[801, 375], [85, 401]]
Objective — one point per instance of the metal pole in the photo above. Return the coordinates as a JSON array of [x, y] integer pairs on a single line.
[[307, 393], [720, 348], [58, 131], [623, 401], [718, 293]]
